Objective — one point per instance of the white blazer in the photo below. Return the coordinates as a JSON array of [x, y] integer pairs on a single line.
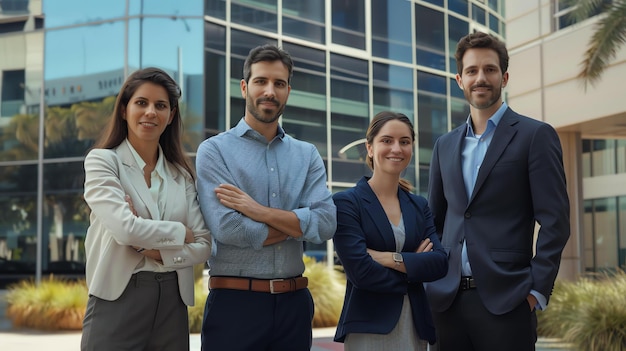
[[110, 174]]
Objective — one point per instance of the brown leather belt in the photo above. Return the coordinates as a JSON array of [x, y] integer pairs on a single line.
[[272, 286], [467, 283]]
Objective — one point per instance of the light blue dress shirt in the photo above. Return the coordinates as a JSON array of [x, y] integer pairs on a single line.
[[474, 150], [284, 173]]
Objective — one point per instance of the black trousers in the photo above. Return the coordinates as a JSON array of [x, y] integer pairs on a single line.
[[237, 320], [150, 315], [468, 326]]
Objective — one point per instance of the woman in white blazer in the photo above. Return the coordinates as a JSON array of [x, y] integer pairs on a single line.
[[146, 230]]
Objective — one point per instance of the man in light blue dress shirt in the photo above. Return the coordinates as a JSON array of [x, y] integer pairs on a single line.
[[262, 194], [492, 180]]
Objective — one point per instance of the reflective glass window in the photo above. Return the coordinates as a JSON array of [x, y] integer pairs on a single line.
[[621, 156], [215, 8], [304, 19], [429, 37], [588, 235], [391, 30], [494, 23], [493, 4], [478, 15], [305, 114], [393, 91], [459, 107], [176, 46], [436, 2], [605, 234], [255, 13], [18, 220], [72, 12], [432, 115], [76, 89], [350, 117], [603, 157], [457, 28], [165, 7], [622, 231], [215, 79], [459, 6], [348, 26], [65, 218]]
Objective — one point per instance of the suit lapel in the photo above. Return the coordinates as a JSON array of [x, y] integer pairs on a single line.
[[456, 164], [377, 213], [176, 191], [137, 180], [501, 138]]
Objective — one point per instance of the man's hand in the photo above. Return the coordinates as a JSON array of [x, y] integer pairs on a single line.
[[532, 301], [234, 198], [274, 236]]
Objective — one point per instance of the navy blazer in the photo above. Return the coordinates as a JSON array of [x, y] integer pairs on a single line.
[[374, 294], [520, 182]]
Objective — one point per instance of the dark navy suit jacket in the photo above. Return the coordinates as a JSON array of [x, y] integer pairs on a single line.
[[520, 182], [374, 294]]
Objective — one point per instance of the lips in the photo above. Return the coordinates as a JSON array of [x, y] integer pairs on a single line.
[[148, 124]]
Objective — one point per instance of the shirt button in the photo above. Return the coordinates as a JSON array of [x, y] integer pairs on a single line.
[[273, 194], [272, 169]]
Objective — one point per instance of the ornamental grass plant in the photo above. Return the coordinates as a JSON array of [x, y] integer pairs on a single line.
[[589, 313]]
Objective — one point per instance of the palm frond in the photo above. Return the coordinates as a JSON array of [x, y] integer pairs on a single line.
[[609, 36], [583, 9]]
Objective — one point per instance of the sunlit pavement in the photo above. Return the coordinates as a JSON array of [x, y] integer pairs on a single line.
[[26, 340]]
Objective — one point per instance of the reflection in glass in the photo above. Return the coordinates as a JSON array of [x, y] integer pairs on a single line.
[[459, 110], [391, 30], [458, 6], [215, 8], [478, 15], [259, 14], [65, 218], [304, 19], [457, 28], [349, 115], [432, 115], [429, 37], [18, 219], [605, 234], [348, 27], [71, 12], [215, 79], [305, 114]]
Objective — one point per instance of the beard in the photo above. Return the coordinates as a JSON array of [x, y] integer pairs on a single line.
[[496, 93], [262, 114]]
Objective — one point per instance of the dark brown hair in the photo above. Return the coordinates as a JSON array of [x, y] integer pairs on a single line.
[[481, 40], [268, 53], [374, 128], [171, 138]]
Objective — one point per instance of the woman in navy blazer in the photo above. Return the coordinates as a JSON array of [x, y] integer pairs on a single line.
[[388, 246]]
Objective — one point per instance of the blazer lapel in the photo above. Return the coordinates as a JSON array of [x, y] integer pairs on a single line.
[[176, 192], [377, 213], [137, 180], [501, 138], [456, 164]]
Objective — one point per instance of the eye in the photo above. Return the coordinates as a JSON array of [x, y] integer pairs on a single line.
[[161, 106], [281, 84], [140, 102]]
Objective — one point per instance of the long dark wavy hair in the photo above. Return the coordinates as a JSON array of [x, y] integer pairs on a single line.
[[374, 128], [171, 138]]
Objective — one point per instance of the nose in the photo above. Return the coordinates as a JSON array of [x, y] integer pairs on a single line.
[[269, 91], [151, 110], [395, 147]]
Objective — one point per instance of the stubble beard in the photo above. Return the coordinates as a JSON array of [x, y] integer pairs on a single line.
[[260, 114], [496, 91]]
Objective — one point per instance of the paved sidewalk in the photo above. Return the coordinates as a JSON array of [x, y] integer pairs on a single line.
[[26, 340]]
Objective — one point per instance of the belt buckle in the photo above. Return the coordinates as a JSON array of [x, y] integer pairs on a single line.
[[272, 281]]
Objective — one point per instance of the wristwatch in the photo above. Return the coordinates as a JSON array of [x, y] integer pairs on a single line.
[[397, 258]]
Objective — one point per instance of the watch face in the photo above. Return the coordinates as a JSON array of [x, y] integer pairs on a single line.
[[397, 257]]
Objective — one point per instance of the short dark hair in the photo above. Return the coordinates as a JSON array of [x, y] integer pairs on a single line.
[[267, 52], [481, 40]]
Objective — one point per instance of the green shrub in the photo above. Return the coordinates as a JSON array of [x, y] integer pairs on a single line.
[[589, 313]]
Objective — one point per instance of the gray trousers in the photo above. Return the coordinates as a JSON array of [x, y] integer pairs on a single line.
[[149, 315]]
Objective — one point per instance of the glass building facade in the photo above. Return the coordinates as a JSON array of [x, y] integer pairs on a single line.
[[63, 61]]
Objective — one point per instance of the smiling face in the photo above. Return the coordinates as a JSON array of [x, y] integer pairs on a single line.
[[481, 79], [392, 148], [147, 114], [266, 92]]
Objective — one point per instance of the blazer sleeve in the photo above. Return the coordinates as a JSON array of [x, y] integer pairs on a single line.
[[192, 253], [351, 246], [104, 193], [551, 207]]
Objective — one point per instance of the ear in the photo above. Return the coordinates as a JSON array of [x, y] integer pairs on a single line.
[[244, 89], [370, 151], [123, 112], [459, 81], [505, 79]]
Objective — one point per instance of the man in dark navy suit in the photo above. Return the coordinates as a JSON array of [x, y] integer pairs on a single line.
[[491, 181]]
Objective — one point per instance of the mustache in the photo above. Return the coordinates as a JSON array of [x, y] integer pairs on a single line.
[[482, 85], [261, 100]]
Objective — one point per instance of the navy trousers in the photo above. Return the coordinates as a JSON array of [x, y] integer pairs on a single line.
[[246, 320]]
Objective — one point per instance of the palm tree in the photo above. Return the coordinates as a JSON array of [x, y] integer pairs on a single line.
[[609, 35]]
